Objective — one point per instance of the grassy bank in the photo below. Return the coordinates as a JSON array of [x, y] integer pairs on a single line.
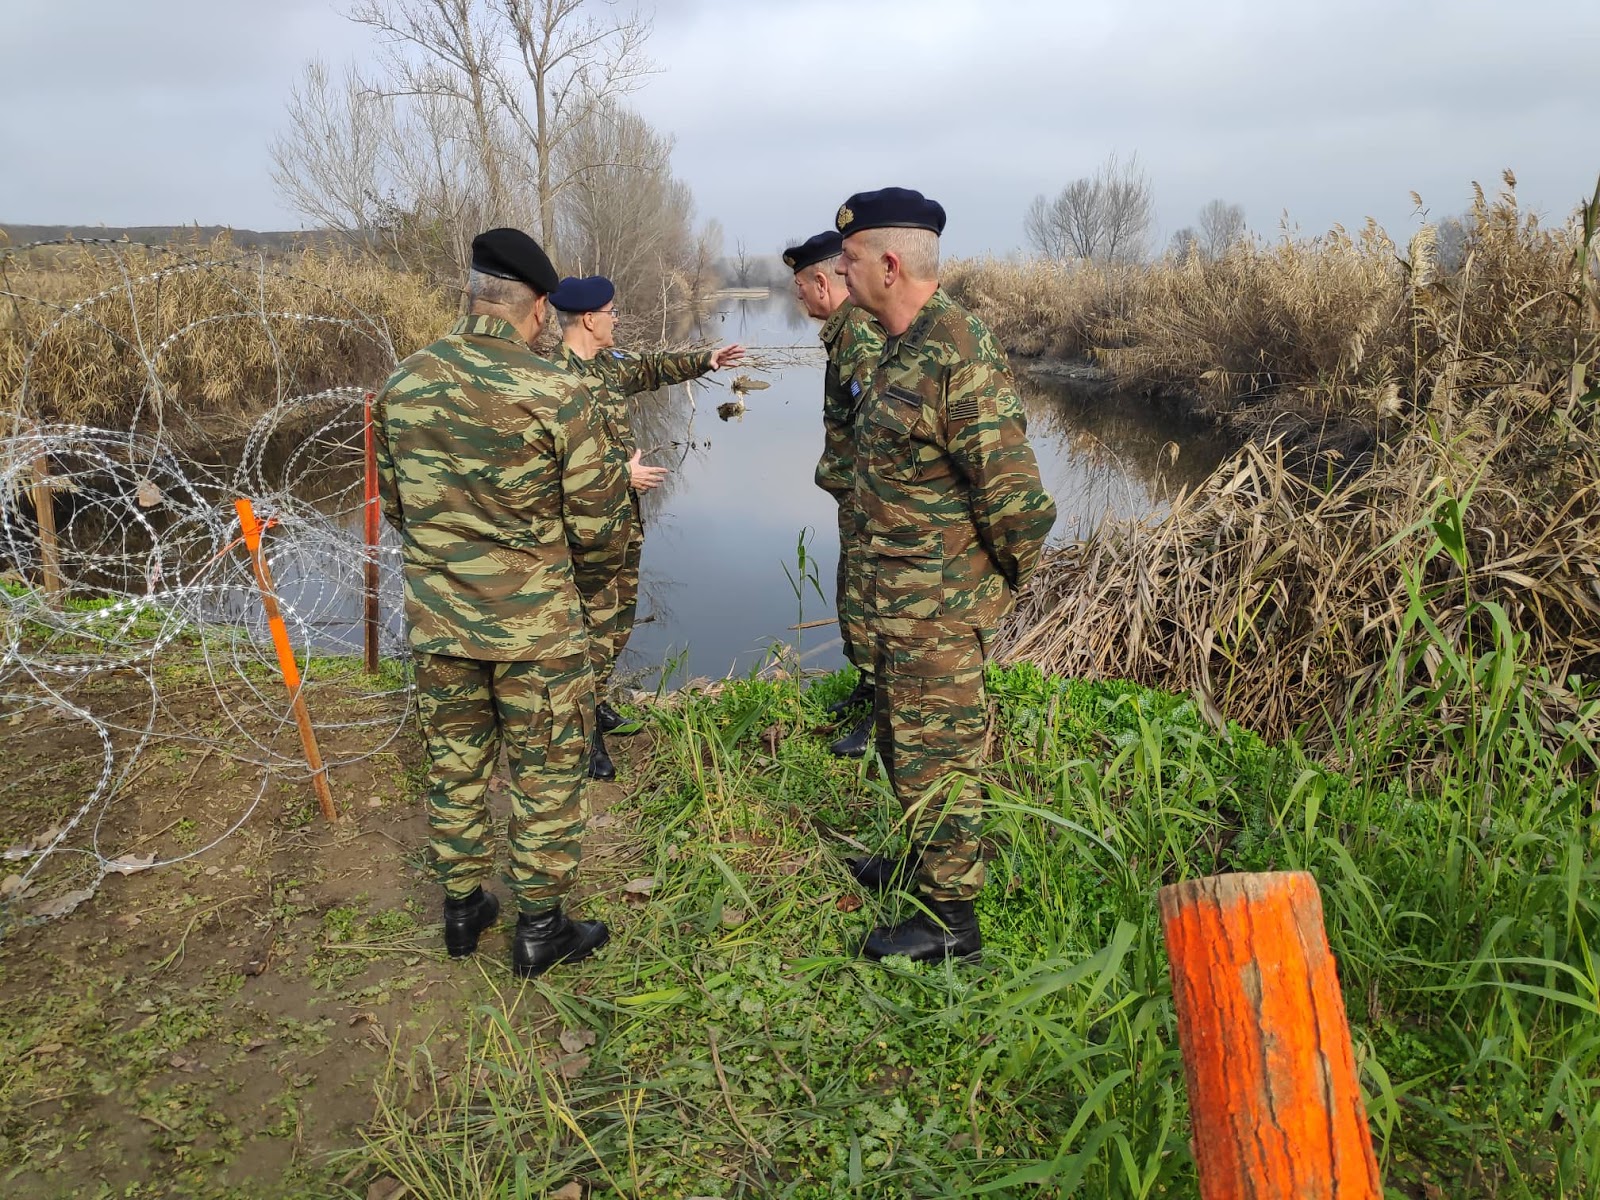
[[729, 1043], [283, 1021]]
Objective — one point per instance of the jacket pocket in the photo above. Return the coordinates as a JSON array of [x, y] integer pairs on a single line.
[[890, 448], [908, 576]]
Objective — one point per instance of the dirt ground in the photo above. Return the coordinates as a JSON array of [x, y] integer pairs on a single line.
[[216, 1027]]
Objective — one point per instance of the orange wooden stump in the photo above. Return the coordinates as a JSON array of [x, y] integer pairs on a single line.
[[251, 529], [1275, 1104]]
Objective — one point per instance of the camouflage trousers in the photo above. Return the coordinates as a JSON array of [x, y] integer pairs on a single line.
[[543, 712], [930, 721], [611, 615], [849, 597]]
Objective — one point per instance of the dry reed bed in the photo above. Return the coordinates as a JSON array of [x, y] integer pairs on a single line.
[[131, 336], [1289, 604], [1345, 325], [1281, 605]]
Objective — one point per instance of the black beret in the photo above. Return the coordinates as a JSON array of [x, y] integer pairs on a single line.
[[583, 295], [512, 254], [812, 251], [889, 208]]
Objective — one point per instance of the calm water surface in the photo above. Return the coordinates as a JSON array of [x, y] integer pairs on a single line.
[[714, 593]]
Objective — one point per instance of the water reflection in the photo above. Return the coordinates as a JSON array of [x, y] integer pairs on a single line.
[[715, 596]]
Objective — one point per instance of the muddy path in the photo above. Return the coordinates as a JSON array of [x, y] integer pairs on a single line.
[[218, 1027]]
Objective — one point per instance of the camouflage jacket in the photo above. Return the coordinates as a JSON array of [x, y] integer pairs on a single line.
[[953, 515], [512, 514], [853, 341], [613, 375]]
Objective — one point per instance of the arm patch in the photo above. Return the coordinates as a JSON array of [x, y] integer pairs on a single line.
[[964, 408]]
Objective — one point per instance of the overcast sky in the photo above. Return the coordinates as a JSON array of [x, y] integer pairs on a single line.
[[160, 111]]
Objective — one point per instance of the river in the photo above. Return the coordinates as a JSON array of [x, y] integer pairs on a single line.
[[715, 595]]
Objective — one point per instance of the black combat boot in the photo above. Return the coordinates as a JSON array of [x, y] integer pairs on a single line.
[[854, 743], [600, 764], [860, 694], [466, 918], [611, 721], [949, 929], [881, 874], [544, 939]]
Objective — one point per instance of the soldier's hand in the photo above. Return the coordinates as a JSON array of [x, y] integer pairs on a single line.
[[726, 356], [642, 478]]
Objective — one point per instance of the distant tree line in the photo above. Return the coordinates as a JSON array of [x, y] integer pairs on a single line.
[[480, 113], [1109, 216]]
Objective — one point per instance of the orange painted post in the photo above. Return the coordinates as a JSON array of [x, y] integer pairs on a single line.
[[1273, 1097], [44, 511], [251, 528], [369, 522]]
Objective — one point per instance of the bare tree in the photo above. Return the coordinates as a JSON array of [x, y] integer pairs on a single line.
[[1105, 216], [574, 63], [624, 215], [1043, 230], [328, 161], [456, 41], [1184, 242], [539, 67], [1221, 225]]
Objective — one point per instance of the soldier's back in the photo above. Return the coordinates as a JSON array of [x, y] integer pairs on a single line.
[[476, 427]]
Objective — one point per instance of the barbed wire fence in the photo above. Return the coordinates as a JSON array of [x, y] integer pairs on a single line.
[[132, 630]]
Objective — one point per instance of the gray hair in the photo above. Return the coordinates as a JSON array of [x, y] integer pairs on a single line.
[[825, 265], [917, 250], [510, 294], [567, 319]]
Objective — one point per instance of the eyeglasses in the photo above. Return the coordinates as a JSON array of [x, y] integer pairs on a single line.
[[612, 312]]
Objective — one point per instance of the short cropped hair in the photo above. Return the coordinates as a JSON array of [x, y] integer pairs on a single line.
[[917, 249], [825, 265], [512, 295]]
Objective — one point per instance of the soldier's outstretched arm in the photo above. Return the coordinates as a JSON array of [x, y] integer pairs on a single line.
[[595, 510], [647, 372], [987, 438]]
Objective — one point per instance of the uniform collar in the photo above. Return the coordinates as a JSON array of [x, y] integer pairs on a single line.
[[917, 332], [835, 323], [486, 326]]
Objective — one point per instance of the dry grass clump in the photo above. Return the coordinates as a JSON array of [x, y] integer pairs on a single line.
[[1283, 596], [198, 336], [1279, 604]]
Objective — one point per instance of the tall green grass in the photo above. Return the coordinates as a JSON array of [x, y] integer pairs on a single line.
[[741, 1049]]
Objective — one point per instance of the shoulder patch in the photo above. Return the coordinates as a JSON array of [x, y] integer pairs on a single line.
[[964, 408], [855, 387], [618, 354]]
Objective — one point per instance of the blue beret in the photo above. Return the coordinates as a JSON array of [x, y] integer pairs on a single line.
[[812, 251], [583, 295], [512, 254], [889, 208]]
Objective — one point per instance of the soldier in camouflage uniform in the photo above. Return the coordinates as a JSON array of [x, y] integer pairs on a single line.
[[588, 314], [954, 517], [853, 341], [513, 517]]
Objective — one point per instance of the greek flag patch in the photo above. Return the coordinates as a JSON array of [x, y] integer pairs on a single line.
[[618, 354], [964, 408], [855, 389]]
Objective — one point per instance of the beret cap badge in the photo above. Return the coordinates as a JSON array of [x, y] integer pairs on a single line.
[[845, 217]]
